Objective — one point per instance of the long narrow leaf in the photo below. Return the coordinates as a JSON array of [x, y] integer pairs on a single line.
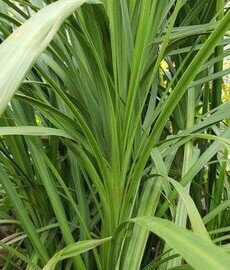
[[23, 47], [199, 253], [73, 250]]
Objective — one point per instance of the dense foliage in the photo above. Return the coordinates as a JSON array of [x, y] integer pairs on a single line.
[[114, 138]]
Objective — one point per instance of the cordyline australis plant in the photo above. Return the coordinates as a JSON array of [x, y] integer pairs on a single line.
[[114, 140]]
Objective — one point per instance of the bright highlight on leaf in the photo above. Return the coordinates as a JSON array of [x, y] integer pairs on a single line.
[[191, 247], [33, 36], [72, 251]]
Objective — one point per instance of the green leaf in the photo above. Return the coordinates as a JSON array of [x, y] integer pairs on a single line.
[[21, 49], [199, 253], [33, 131], [74, 250], [22, 214], [19, 255], [216, 211]]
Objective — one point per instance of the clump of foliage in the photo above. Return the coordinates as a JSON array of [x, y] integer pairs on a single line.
[[114, 139]]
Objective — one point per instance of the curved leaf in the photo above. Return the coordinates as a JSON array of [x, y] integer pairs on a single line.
[[19, 51], [199, 253], [73, 250]]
